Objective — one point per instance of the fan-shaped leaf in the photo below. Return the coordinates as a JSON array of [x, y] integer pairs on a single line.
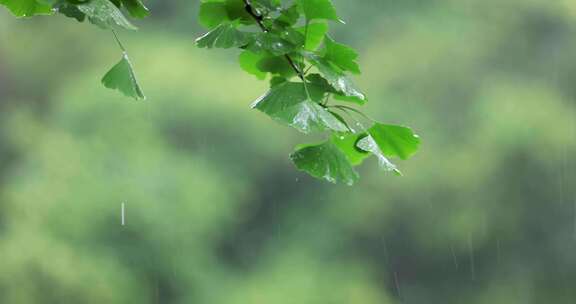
[[325, 161], [122, 78]]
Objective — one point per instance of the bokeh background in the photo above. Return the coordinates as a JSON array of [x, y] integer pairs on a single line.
[[216, 213]]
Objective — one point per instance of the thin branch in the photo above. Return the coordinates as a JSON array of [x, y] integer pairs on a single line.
[[250, 9]]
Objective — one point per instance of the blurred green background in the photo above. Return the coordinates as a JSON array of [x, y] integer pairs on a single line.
[[215, 211]]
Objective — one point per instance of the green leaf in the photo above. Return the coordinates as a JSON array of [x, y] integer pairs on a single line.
[[341, 55], [289, 16], [276, 81], [236, 11], [315, 35], [369, 144], [71, 11], [224, 36], [337, 79], [136, 8], [290, 104], [325, 161], [277, 65], [395, 140], [268, 42], [269, 5], [27, 8], [212, 14], [249, 63], [105, 14], [348, 144], [319, 9], [122, 78]]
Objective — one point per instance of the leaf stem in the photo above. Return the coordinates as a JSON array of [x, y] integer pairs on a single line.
[[347, 108], [119, 42]]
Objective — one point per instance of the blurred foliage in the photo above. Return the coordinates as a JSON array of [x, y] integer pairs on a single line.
[[484, 214]]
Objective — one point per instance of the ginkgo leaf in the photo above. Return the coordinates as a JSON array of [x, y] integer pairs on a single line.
[[71, 11], [249, 63], [122, 78], [314, 34], [268, 42], [289, 16], [319, 9], [27, 8], [325, 161], [291, 104], [337, 79], [341, 55], [105, 14], [348, 144], [212, 14], [224, 36], [395, 140], [136, 8], [368, 144]]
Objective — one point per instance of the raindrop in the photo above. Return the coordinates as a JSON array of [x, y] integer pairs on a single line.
[[123, 214]]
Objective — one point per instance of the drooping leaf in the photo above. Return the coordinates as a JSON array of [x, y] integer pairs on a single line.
[[289, 103], [395, 140], [348, 144], [224, 36], [136, 8], [337, 79], [122, 78], [27, 8], [319, 9], [341, 55], [325, 161], [369, 145], [249, 63], [105, 14]]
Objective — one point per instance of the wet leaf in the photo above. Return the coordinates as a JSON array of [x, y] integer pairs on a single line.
[[395, 140], [105, 14], [369, 145], [348, 144], [337, 79], [289, 104], [268, 42], [325, 161], [224, 36]]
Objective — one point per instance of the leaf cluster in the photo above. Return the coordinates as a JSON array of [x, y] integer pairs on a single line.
[[288, 43]]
